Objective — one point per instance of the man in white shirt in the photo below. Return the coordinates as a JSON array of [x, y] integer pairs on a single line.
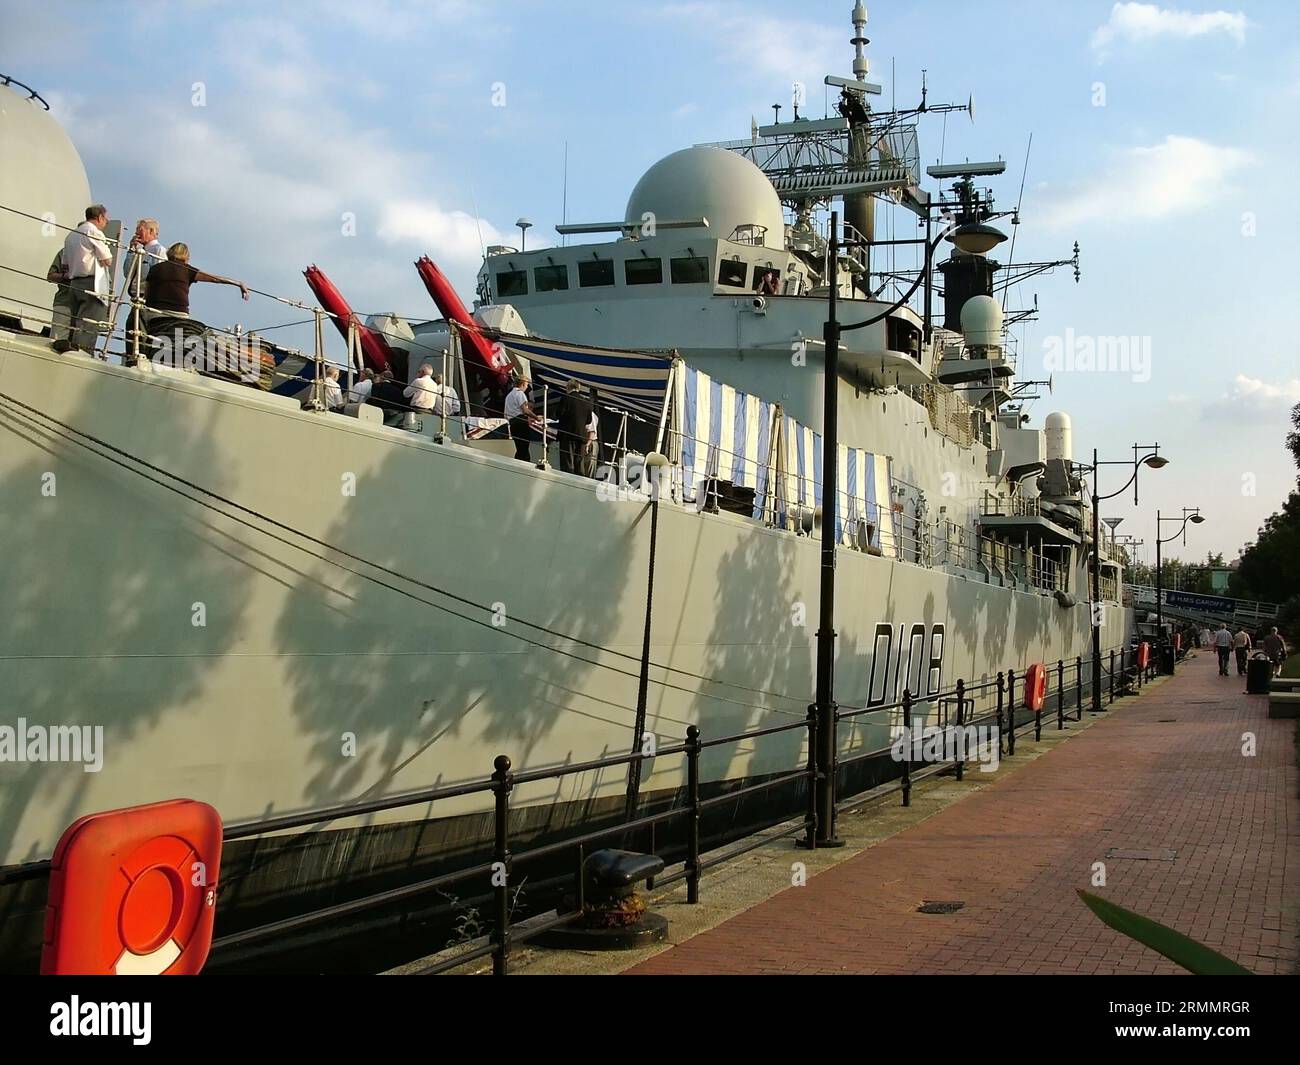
[[362, 386], [519, 413], [333, 391], [424, 391], [145, 251], [87, 258], [1223, 644], [1241, 644], [448, 402]]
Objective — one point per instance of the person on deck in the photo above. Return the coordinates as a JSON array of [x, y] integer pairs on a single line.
[[146, 251], [423, 391], [362, 386], [167, 285], [573, 424], [1223, 644], [519, 412], [87, 260]]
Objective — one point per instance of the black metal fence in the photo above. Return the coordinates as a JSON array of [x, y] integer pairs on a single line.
[[965, 705], [991, 700]]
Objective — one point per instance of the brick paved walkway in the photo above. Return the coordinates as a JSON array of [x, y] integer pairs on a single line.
[[1014, 853]]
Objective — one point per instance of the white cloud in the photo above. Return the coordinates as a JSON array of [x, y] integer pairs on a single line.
[[1174, 176], [1136, 23], [770, 47], [421, 223], [1253, 397]]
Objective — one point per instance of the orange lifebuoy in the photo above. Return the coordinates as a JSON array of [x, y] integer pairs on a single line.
[[1178, 642], [1035, 686], [133, 891], [1144, 655]]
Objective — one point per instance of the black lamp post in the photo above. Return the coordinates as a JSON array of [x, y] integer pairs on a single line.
[[974, 237], [1155, 460], [1192, 514]]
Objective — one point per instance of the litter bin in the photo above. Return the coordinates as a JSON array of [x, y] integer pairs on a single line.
[[1167, 658], [1259, 671]]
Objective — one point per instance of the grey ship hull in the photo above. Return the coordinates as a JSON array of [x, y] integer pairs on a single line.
[[298, 658]]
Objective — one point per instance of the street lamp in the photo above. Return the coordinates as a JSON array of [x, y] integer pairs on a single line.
[[1192, 514], [972, 237], [1155, 461]]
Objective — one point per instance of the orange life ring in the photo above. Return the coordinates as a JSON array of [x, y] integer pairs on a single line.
[[1144, 655], [1035, 686], [134, 891]]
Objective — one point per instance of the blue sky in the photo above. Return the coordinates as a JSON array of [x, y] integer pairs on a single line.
[[385, 110]]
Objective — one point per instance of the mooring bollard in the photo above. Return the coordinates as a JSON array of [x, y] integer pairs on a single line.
[[907, 747], [502, 782], [693, 822], [961, 720], [1011, 711]]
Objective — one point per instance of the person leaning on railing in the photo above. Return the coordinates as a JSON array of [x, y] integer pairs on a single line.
[[167, 285]]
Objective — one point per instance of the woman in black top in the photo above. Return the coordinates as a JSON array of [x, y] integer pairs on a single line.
[[167, 286]]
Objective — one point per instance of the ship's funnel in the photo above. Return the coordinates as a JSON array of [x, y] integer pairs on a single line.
[[374, 350], [476, 347]]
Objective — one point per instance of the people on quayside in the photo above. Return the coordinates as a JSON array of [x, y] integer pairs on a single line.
[[1223, 644]]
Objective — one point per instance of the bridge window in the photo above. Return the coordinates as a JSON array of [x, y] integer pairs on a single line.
[[643, 271], [596, 273], [512, 283], [732, 272], [689, 270], [551, 278]]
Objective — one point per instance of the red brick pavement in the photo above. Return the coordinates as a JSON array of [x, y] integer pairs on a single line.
[[1015, 851]]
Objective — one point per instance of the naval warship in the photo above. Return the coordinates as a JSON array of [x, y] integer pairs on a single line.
[[274, 608]]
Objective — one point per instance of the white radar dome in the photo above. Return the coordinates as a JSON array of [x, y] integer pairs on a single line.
[[724, 188], [1058, 436], [981, 322], [41, 174]]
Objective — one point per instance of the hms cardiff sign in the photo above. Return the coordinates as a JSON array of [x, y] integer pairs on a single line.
[[1192, 601]]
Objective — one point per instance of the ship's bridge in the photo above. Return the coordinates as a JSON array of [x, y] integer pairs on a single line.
[[700, 264]]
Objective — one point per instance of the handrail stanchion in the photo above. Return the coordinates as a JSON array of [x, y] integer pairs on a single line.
[[1060, 694], [544, 464], [907, 747], [580, 885], [693, 822], [1111, 677], [1011, 712], [443, 402], [502, 782], [1002, 680], [960, 734], [1078, 687]]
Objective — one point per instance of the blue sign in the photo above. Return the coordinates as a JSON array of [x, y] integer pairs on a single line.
[[1193, 601]]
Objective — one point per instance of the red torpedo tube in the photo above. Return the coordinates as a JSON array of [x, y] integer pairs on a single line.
[[374, 349], [490, 356]]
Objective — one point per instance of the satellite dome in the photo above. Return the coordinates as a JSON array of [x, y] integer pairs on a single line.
[[42, 175], [981, 322], [720, 186]]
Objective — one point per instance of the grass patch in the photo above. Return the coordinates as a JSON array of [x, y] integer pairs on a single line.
[[1291, 667]]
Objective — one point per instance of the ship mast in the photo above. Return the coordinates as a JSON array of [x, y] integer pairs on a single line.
[[859, 207]]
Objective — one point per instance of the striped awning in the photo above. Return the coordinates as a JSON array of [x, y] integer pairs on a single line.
[[637, 380]]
